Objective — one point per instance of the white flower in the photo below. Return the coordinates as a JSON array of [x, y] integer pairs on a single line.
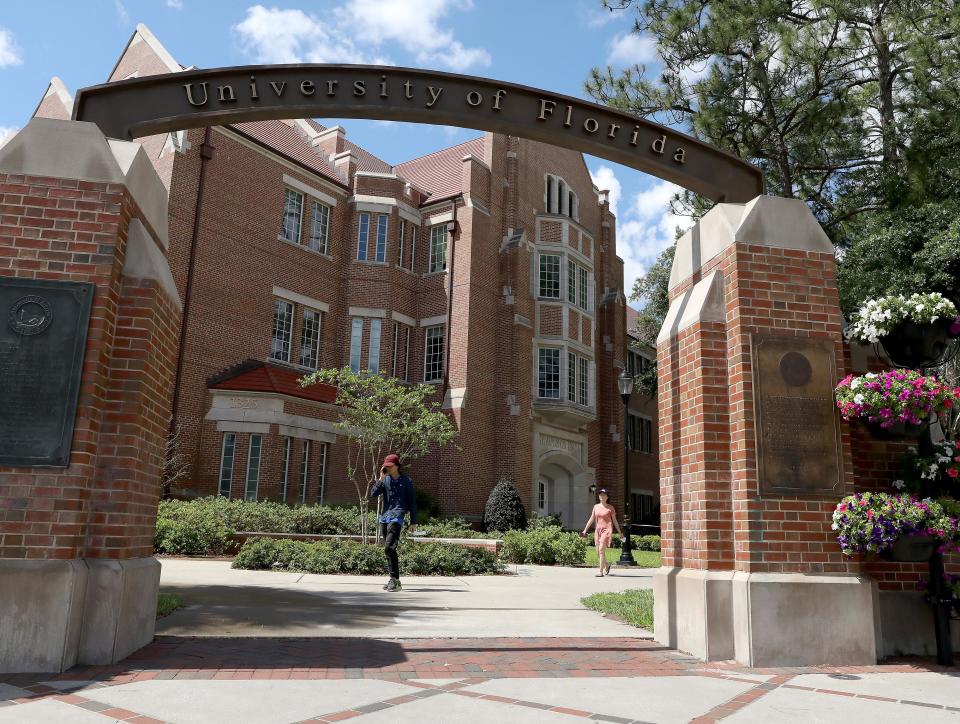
[[948, 451], [858, 399], [899, 484], [834, 526], [855, 383], [870, 375]]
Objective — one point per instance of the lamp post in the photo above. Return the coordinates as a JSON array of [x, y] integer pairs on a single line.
[[625, 385]]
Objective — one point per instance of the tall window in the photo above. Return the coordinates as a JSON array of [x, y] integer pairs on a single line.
[[226, 462], [320, 227], [413, 246], [542, 495], [285, 468], [382, 220], [571, 377], [253, 467], [550, 276], [356, 339], [548, 373], [438, 248], [433, 354], [583, 381], [304, 470], [559, 199], [363, 237], [578, 285], [636, 363], [292, 213], [401, 351], [310, 339], [639, 433], [282, 330], [373, 361], [400, 244], [324, 451]]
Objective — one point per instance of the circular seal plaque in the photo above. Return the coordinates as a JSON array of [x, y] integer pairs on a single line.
[[795, 369], [30, 315]]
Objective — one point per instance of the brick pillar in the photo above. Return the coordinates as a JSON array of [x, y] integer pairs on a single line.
[[751, 568], [76, 542]]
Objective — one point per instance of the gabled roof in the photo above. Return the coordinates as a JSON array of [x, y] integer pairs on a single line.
[[366, 161], [257, 376], [440, 173], [56, 102], [281, 137]]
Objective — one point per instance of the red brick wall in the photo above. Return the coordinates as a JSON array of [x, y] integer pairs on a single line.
[[104, 503]]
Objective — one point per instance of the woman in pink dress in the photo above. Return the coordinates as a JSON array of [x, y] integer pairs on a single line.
[[604, 520]]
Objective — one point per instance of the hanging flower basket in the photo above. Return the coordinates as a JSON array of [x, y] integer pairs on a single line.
[[896, 403], [875, 522], [899, 430], [911, 549], [878, 318], [914, 344]]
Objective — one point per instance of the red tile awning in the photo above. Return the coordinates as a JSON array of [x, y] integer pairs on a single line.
[[258, 376]]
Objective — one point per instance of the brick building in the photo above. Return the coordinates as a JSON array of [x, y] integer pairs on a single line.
[[488, 269], [643, 468]]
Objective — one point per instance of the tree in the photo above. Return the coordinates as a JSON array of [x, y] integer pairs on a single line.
[[504, 509], [176, 466], [653, 288], [381, 415]]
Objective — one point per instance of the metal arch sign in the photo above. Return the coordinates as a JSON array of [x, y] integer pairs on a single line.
[[173, 101]]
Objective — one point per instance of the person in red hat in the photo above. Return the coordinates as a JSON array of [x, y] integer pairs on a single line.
[[398, 500]]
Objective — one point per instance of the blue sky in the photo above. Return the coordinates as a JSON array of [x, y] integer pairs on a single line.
[[547, 44]]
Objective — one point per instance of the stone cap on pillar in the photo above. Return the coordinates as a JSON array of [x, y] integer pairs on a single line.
[[78, 150], [703, 302], [765, 221]]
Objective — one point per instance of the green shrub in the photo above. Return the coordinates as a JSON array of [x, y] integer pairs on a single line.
[[647, 543], [544, 546], [544, 521], [454, 527], [346, 556], [504, 510], [191, 533]]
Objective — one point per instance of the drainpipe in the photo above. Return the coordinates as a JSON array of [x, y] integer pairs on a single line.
[[206, 153], [452, 229]]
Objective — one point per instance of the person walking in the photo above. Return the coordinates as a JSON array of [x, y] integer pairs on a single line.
[[604, 519], [398, 500]]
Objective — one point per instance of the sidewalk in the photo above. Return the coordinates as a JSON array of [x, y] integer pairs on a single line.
[[428, 670]]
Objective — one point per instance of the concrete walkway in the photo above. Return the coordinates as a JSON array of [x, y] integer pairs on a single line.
[[535, 601], [281, 648]]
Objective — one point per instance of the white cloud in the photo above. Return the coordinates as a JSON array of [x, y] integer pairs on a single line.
[[175, 4], [6, 133], [594, 15], [647, 226], [9, 53], [632, 49], [121, 12], [356, 32]]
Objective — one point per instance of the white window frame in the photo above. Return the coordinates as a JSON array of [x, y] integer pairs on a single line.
[[436, 330], [315, 350], [559, 276], [373, 355], [319, 240], [413, 245], [283, 354], [287, 194], [285, 467], [304, 470], [438, 249], [400, 250], [383, 224], [253, 473], [324, 454], [363, 236], [540, 387], [356, 343], [232, 437]]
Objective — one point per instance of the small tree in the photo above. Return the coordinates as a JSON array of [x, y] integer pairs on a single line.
[[176, 466], [381, 415], [504, 510]]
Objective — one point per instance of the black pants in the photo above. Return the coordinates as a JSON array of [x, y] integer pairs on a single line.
[[391, 536]]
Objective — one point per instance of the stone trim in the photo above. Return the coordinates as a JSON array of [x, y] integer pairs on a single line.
[[366, 312], [309, 190], [301, 299]]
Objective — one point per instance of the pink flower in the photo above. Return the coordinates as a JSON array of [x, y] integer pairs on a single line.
[[953, 472]]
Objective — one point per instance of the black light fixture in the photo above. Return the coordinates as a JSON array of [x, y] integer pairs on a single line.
[[625, 386]]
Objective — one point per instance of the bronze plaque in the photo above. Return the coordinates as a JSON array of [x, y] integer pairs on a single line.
[[797, 427], [43, 332]]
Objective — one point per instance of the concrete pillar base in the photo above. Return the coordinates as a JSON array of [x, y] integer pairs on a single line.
[[767, 619], [693, 611], [55, 614], [906, 626]]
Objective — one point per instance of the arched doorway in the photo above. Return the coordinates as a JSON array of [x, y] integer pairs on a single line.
[[563, 488]]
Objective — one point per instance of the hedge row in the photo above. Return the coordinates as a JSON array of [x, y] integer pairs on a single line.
[[204, 526], [545, 546], [346, 556], [640, 542]]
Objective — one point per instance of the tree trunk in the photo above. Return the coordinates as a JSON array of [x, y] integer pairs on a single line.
[[888, 125]]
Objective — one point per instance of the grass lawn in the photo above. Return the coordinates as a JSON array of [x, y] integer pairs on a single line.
[[644, 559], [634, 607], [167, 603]]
